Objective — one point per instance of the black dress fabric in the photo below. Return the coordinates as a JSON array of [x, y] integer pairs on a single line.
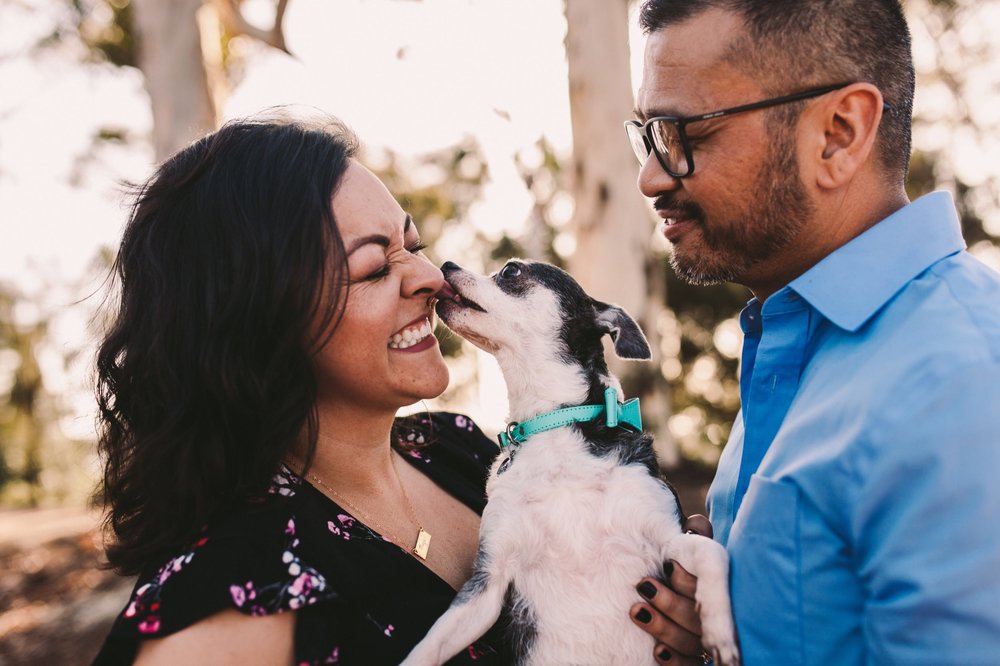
[[358, 598]]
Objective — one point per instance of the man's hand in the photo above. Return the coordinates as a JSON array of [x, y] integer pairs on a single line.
[[668, 612]]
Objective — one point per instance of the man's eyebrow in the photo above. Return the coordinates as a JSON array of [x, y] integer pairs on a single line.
[[655, 113], [377, 239]]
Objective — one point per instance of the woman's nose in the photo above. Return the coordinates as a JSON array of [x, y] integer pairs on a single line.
[[424, 278]]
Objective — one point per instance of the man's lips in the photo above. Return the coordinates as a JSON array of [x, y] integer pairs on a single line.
[[673, 216], [675, 223]]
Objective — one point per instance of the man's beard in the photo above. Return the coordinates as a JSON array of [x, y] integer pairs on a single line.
[[770, 222]]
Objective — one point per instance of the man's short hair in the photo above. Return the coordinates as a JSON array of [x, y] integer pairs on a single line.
[[792, 45]]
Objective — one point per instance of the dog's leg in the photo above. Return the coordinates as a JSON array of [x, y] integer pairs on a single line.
[[476, 608], [708, 560]]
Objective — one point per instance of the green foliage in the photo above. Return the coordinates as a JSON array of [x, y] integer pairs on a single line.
[[21, 425], [105, 27]]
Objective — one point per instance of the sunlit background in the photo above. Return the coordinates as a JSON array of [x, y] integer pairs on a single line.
[[465, 109], [463, 105]]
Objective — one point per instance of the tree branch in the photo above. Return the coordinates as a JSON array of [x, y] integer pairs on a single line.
[[237, 24]]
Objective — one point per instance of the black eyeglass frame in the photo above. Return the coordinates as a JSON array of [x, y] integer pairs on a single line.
[[680, 122]]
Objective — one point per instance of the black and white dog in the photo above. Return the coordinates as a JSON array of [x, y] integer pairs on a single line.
[[577, 512]]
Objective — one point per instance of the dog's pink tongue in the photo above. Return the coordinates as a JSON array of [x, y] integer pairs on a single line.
[[446, 292]]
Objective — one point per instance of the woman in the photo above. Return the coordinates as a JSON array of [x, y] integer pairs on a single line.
[[276, 311]]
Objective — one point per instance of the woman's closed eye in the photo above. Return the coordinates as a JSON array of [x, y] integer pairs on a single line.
[[386, 269]]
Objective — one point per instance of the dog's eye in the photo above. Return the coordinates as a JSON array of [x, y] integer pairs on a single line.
[[510, 271]]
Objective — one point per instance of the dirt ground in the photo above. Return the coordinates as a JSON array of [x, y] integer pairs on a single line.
[[57, 603]]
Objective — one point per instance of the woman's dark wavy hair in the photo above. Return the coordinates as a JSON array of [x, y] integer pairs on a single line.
[[205, 378]]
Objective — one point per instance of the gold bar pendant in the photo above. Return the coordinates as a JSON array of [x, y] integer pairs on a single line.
[[423, 544]]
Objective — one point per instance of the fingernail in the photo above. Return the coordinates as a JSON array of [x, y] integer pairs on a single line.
[[664, 655], [668, 569], [643, 616], [646, 589]]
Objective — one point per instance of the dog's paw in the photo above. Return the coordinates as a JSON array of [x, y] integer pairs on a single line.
[[726, 655], [719, 638]]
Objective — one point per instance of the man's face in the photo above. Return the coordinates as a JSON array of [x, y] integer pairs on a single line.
[[736, 218]]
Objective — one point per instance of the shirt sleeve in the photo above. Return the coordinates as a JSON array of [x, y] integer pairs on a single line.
[[254, 568], [925, 527]]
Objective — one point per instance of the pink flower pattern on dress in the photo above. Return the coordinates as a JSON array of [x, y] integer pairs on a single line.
[[292, 583], [347, 528], [304, 587], [146, 601]]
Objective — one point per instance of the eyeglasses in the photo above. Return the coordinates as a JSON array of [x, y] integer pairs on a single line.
[[666, 136]]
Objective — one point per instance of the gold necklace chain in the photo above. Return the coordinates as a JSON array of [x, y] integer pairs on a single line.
[[423, 542]]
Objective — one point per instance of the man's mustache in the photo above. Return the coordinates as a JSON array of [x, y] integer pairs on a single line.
[[687, 210]]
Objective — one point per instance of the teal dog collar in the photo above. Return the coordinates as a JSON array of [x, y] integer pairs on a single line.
[[615, 414]]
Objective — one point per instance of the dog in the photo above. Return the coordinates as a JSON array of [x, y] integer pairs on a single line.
[[577, 513]]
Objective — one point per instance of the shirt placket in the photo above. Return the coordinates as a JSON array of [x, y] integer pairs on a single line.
[[774, 349]]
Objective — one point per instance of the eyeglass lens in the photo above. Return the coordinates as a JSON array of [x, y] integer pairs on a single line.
[[667, 141]]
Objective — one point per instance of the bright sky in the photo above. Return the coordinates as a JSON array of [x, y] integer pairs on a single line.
[[411, 76]]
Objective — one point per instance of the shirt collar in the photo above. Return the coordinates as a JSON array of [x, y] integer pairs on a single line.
[[852, 283]]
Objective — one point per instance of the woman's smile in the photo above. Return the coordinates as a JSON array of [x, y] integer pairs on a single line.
[[418, 335]]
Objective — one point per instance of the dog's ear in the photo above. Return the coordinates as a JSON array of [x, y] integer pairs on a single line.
[[629, 341]]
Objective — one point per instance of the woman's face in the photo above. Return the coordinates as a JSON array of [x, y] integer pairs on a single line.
[[383, 355]]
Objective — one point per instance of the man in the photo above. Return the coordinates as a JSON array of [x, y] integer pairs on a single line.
[[857, 495]]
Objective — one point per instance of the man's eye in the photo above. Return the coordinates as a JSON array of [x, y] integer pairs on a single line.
[[510, 271], [416, 247]]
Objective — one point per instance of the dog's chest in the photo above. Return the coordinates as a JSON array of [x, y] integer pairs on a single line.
[[556, 492]]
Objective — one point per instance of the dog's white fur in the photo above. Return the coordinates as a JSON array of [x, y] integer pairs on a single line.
[[571, 532]]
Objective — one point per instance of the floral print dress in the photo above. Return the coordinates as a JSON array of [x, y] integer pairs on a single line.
[[358, 598]]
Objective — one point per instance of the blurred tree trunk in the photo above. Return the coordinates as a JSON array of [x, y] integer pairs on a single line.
[[611, 221], [172, 61], [180, 45], [22, 427]]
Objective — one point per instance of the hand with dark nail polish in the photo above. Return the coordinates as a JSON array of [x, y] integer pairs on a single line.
[[646, 589]]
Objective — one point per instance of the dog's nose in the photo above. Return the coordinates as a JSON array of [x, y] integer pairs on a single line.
[[450, 267]]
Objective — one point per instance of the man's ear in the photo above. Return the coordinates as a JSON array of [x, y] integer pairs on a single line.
[[629, 341], [850, 122]]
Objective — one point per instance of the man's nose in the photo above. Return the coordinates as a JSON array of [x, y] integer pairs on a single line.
[[654, 179]]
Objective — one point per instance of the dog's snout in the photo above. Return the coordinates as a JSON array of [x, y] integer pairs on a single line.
[[449, 267]]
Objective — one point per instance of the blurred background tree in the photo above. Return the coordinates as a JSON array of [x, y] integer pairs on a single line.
[[582, 211], [586, 215]]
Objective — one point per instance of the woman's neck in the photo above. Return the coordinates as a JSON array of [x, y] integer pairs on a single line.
[[353, 452]]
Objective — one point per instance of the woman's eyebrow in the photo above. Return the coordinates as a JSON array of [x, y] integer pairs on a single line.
[[377, 239]]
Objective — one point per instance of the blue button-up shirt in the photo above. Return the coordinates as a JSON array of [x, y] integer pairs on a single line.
[[859, 493]]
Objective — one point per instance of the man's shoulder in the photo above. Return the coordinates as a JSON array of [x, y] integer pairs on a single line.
[[947, 316], [971, 291], [935, 342]]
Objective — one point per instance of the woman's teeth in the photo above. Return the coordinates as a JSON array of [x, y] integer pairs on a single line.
[[410, 336]]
